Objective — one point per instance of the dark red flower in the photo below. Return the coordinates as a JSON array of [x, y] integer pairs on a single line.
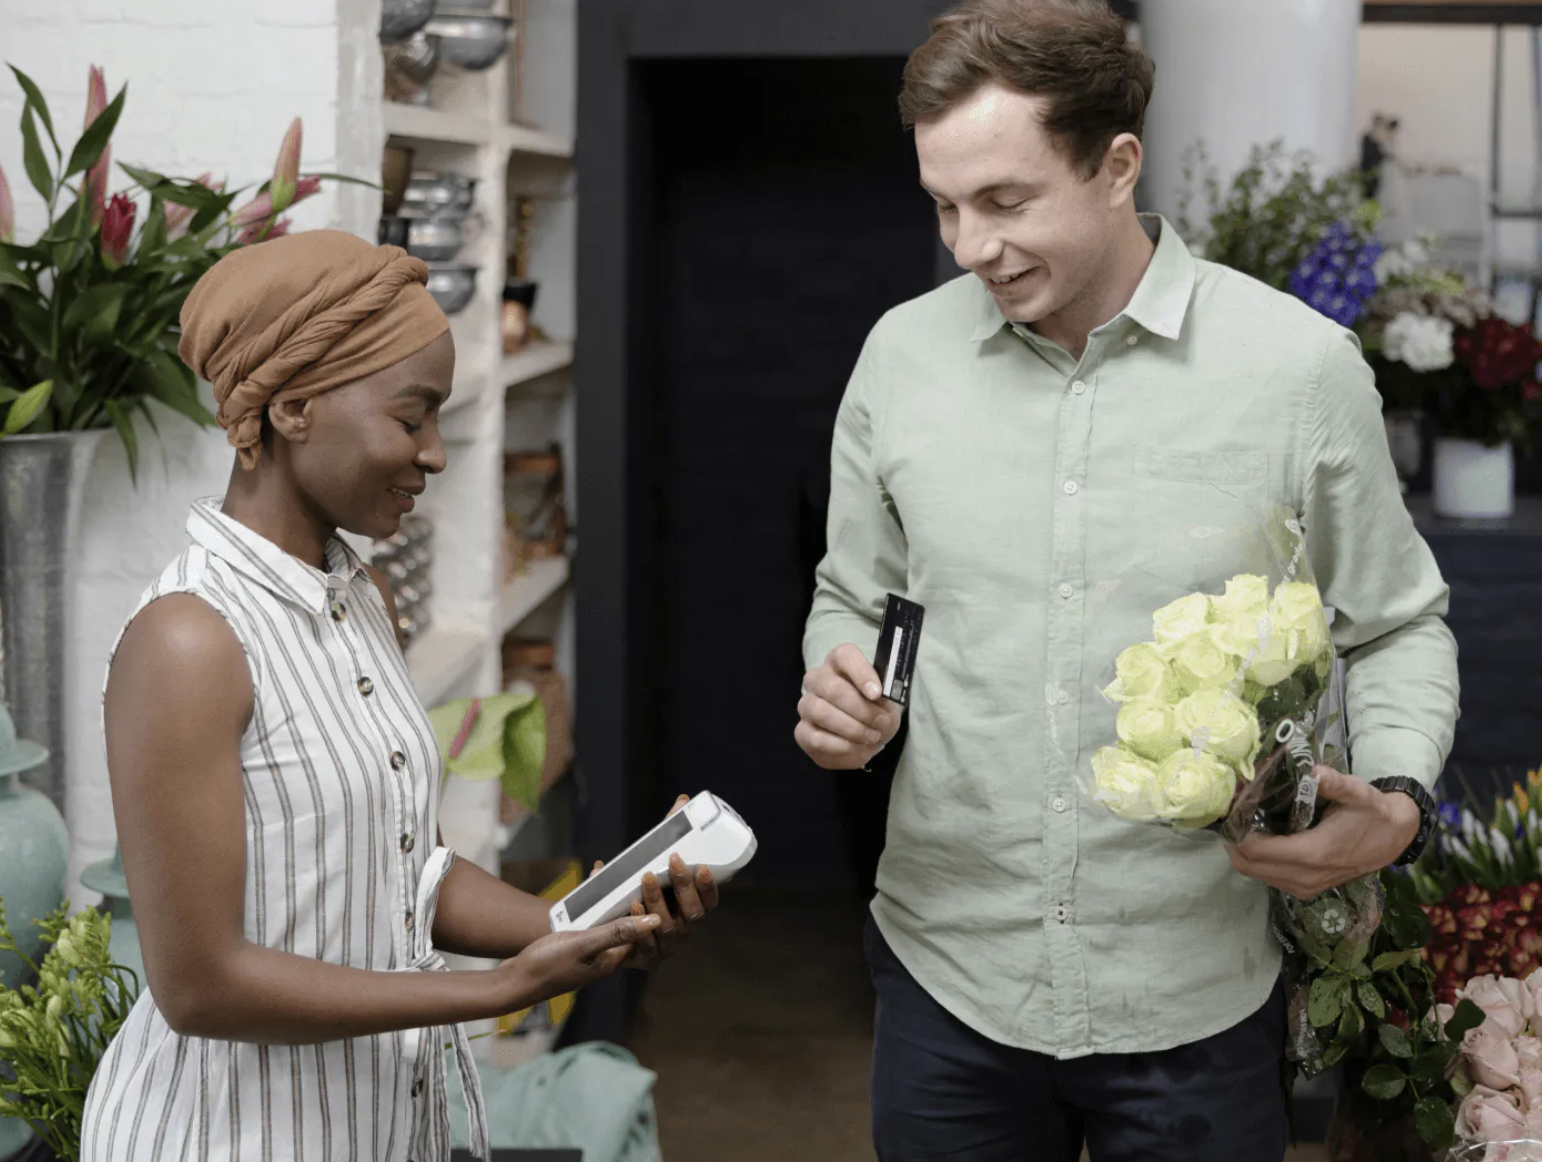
[[1498, 353], [117, 229]]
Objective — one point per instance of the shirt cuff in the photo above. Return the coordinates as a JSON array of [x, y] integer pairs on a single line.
[[1397, 751]]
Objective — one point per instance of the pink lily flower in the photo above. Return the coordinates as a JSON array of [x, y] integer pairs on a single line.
[[177, 217], [261, 207], [262, 232], [117, 229]]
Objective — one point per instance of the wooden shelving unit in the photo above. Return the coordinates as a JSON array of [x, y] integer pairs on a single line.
[[511, 127]]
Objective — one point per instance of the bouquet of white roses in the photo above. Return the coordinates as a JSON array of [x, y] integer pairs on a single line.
[[1219, 716]]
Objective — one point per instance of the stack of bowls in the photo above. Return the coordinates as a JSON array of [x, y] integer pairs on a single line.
[[431, 224], [406, 560]]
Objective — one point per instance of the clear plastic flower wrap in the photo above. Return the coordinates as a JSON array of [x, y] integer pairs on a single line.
[[1218, 719]]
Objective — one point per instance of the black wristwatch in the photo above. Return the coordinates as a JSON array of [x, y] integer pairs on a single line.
[[1429, 814]]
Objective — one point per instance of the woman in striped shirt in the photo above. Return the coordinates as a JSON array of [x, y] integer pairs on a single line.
[[275, 777]]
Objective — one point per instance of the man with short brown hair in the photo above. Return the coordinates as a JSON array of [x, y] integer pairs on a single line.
[[1040, 453]]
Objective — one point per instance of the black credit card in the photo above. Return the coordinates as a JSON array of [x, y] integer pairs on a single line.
[[898, 640]]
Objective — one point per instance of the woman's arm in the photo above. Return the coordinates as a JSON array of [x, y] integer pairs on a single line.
[[179, 697]]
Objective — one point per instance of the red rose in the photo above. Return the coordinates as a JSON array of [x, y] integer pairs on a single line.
[[1442, 919], [1468, 895], [1474, 921]]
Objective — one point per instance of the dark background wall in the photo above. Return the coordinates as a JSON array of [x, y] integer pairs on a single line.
[[787, 217]]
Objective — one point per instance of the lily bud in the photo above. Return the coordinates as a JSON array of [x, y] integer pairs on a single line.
[[96, 95], [7, 210], [97, 175], [286, 171], [117, 229]]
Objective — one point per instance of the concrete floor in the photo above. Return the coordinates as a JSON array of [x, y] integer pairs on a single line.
[[761, 1033]]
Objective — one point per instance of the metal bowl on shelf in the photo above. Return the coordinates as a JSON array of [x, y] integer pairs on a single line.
[[435, 239], [432, 195], [471, 41], [453, 284], [409, 67], [399, 19]]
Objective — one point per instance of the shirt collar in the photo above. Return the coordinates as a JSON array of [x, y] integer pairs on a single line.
[[1160, 301], [262, 561]]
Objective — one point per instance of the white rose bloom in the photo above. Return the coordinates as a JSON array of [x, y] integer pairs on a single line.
[[1421, 341]]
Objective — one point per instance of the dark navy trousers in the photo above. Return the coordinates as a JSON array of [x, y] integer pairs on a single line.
[[940, 1090]]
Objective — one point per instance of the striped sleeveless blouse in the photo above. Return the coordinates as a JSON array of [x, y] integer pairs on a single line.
[[341, 774]]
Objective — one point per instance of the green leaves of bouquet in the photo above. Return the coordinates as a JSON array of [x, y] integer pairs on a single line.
[[1371, 1001], [1195, 701], [89, 310], [53, 1034]]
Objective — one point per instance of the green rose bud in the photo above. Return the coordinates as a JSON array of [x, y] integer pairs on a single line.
[[55, 1007], [1140, 672], [1198, 788], [1176, 621], [1221, 724], [67, 951], [1146, 727], [1201, 662], [1126, 783]]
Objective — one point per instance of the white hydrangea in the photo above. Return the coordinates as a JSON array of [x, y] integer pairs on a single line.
[[1421, 341]]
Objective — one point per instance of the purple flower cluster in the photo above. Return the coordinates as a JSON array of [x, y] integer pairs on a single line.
[[1339, 276]]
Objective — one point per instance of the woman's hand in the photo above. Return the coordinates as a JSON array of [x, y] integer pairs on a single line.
[[563, 962], [695, 896]]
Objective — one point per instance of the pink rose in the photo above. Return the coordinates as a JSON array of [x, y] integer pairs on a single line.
[[1534, 987], [1506, 1002], [1528, 1051], [1488, 1116], [1531, 1090], [1490, 1056]]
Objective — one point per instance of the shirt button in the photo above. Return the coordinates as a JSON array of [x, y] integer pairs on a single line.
[[1066, 590], [1071, 487], [1061, 912], [1132, 340], [339, 611], [1079, 387], [409, 919], [1059, 804], [417, 1087], [366, 687], [398, 760], [1062, 697], [407, 847]]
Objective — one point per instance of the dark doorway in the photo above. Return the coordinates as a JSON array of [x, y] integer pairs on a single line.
[[787, 217]]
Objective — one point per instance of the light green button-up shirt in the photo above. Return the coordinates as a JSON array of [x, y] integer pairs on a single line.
[[1041, 507]]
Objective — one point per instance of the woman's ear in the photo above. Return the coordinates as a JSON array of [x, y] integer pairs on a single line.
[[291, 419]]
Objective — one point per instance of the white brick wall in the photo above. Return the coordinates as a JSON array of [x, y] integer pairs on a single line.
[[212, 86]]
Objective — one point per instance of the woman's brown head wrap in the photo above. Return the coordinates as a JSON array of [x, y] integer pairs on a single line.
[[296, 316]]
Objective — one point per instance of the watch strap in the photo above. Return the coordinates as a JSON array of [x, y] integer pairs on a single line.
[[1429, 813]]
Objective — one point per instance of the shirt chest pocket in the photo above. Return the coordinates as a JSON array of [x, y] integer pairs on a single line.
[[1196, 515]]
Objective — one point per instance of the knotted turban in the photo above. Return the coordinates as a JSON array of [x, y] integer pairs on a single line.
[[296, 316]]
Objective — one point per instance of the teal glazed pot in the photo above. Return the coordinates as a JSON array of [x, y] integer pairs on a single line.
[[34, 850]]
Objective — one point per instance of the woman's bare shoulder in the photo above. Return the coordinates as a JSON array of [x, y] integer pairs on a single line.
[[180, 645]]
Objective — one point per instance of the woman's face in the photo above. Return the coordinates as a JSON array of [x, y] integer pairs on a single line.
[[361, 453]]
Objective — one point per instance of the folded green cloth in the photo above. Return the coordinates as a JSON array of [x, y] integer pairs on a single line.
[[594, 1097]]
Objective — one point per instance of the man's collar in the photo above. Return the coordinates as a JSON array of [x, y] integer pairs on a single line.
[[262, 561], [1159, 304]]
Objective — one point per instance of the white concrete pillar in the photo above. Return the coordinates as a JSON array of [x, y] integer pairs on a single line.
[[1239, 73]]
